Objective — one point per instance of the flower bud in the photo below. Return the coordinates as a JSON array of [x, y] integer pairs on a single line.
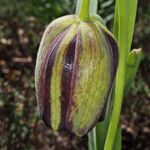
[[75, 70]]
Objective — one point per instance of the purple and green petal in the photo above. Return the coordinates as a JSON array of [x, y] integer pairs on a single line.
[[91, 79], [61, 24], [75, 70]]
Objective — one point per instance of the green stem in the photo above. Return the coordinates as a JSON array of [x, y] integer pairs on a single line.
[[78, 6], [93, 6], [84, 13]]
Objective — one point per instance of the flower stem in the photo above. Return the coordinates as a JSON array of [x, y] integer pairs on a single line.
[[93, 6], [78, 7], [84, 12]]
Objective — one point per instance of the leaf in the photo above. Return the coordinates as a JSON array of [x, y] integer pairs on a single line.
[[131, 16], [116, 24], [92, 139], [118, 140], [124, 21], [133, 62], [101, 132]]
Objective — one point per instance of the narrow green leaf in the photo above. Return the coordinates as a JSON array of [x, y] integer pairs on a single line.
[[92, 139], [133, 62], [116, 21], [120, 78], [128, 19], [118, 140], [132, 9], [125, 22], [101, 132]]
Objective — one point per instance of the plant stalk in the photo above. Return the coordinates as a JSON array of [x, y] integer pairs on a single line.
[[78, 7], [84, 13], [93, 6]]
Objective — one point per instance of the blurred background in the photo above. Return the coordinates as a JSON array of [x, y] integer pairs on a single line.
[[22, 23]]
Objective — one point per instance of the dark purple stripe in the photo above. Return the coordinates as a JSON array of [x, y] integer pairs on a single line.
[[114, 48], [71, 104], [66, 81], [46, 75]]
